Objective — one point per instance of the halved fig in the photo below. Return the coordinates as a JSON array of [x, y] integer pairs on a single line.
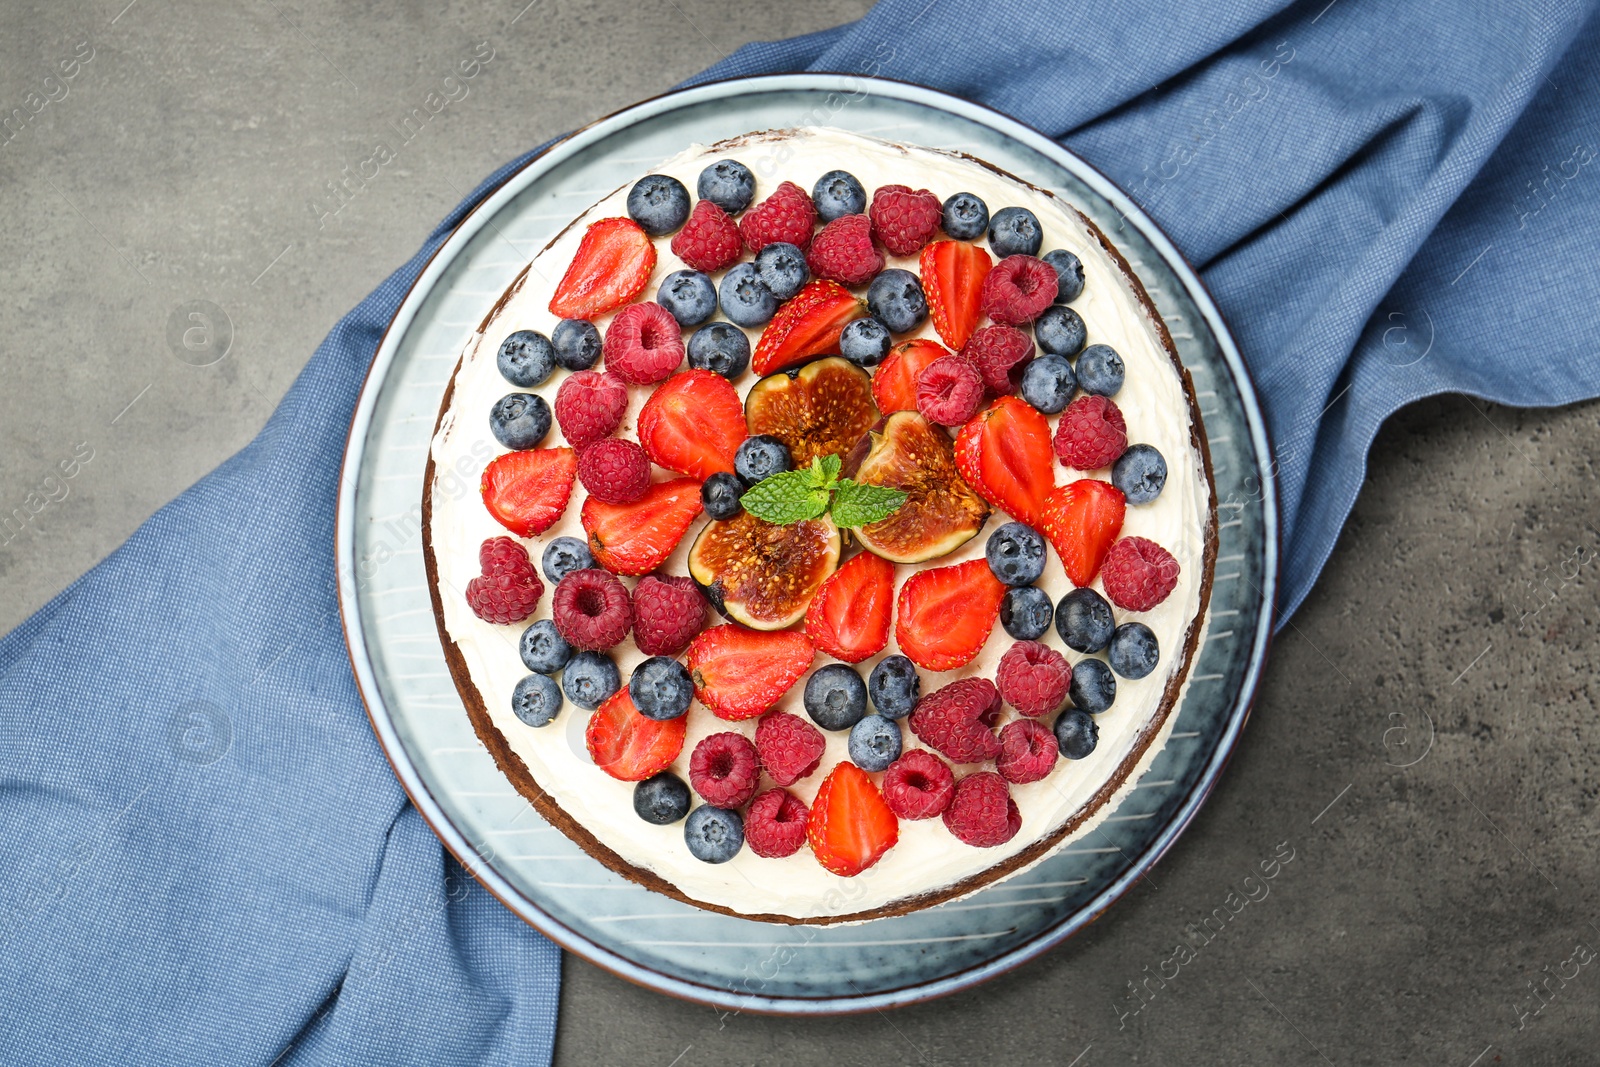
[[821, 409], [941, 512], [761, 574]]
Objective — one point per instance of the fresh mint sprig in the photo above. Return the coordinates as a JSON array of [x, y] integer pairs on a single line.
[[817, 490]]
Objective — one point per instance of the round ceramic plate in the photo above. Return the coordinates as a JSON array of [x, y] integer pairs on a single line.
[[539, 873]]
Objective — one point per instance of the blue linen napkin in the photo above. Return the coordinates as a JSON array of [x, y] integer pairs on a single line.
[[207, 859]]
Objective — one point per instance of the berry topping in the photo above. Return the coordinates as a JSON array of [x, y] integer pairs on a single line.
[[1134, 651], [590, 678], [965, 216], [536, 700], [693, 424], [721, 348], [589, 406], [612, 266], [894, 386], [710, 240], [1025, 613], [1069, 274], [1015, 553], [592, 609], [660, 688], [949, 391], [838, 193], [874, 742], [982, 813], [1100, 370], [1060, 331], [562, 556], [849, 616], [809, 325], [643, 344], [1083, 619], [1004, 454], [1082, 519], [895, 298], [719, 495], [865, 342], [787, 215], [843, 251], [1094, 687], [724, 769], [746, 300], [614, 470], [782, 268], [526, 492], [953, 274], [628, 746], [789, 747], [520, 420], [543, 649], [904, 219], [714, 835], [1027, 751], [637, 538], [667, 614], [1033, 678], [918, 785], [760, 457], [835, 697], [1138, 574], [944, 615], [1076, 733], [1015, 231], [894, 687], [658, 203], [958, 721], [1141, 473], [1018, 289], [661, 799], [688, 296], [776, 826], [1090, 434], [728, 184], [1048, 383], [577, 344], [1002, 355], [526, 359], [850, 826], [740, 673]]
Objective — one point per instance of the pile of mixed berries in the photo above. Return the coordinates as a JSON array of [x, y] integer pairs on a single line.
[[837, 381]]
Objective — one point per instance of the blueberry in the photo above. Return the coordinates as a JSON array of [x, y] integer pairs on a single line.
[[894, 686], [728, 184], [1093, 686], [660, 688], [563, 555], [1076, 734], [658, 203], [1141, 473], [783, 269], [838, 193], [1069, 274], [896, 299], [1048, 383], [1025, 612], [714, 835], [526, 358], [966, 216], [536, 700], [662, 799], [1015, 553], [746, 300], [1083, 619], [1100, 370], [543, 649], [864, 342], [689, 295], [590, 678], [1015, 231], [760, 457], [874, 743], [721, 348], [1060, 331], [577, 344], [1134, 651], [719, 495], [836, 697], [519, 420]]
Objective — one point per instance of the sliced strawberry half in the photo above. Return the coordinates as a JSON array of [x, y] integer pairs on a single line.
[[610, 268], [952, 278], [944, 615], [629, 746], [740, 673], [1005, 453], [637, 538], [850, 826], [808, 325], [894, 386], [526, 492], [1082, 519], [849, 617], [693, 424]]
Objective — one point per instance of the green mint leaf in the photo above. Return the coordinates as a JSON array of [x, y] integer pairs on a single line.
[[858, 505], [785, 498], [823, 472], [831, 465]]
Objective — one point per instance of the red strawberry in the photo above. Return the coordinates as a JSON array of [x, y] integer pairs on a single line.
[[904, 219], [1005, 454], [787, 215], [850, 826], [637, 538], [808, 325], [740, 673], [844, 251], [526, 492], [693, 424], [611, 267], [952, 279], [1082, 519], [894, 386], [710, 240], [629, 746], [945, 614], [849, 617]]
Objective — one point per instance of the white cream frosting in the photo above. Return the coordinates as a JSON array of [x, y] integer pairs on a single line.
[[927, 858]]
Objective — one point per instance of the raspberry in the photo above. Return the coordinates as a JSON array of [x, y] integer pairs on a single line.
[[1018, 290], [1001, 354], [958, 720], [589, 406], [918, 785], [1138, 574], [949, 391], [591, 609], [710, 240], [509, 588], [786, 215], [1091, 434], [614, 471], [982, 812], [844, 251], [667, 613], [643, 344], [1027, 751], [1033, 678], [776, 824], [790, 748], [724, 769], [904, 220]]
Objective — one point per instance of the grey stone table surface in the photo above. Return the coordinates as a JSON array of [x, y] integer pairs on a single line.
[[1424, 746]]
